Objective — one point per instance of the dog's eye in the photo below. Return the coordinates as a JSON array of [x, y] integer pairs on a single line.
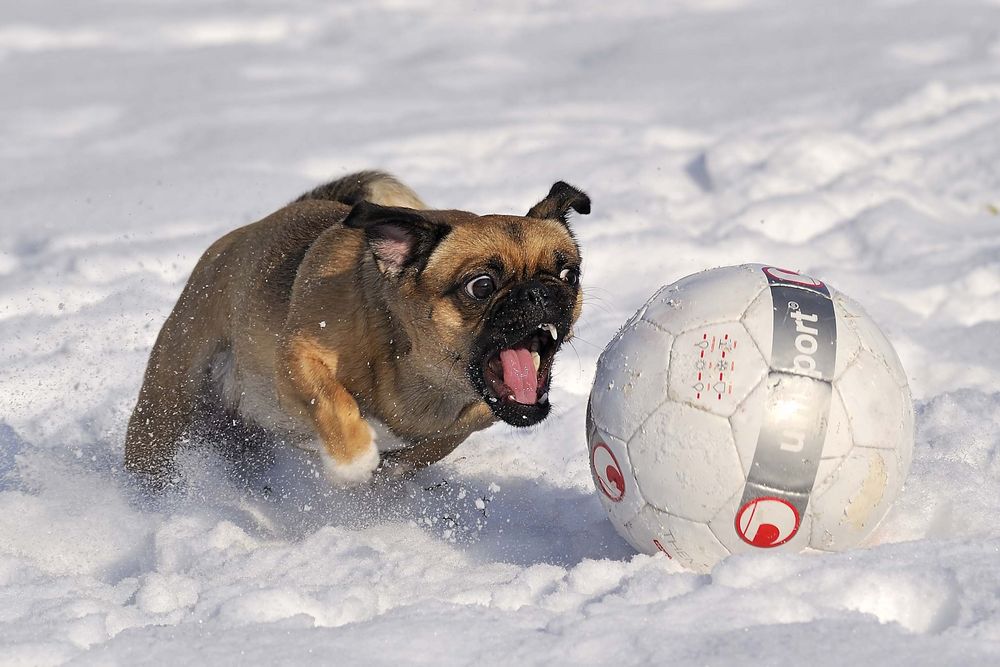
[[570, 276], [480, 287]]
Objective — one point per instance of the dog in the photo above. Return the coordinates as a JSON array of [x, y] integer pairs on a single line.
[[358, 323]]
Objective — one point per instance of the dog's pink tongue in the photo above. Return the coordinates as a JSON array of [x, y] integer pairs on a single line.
[[519, 375]]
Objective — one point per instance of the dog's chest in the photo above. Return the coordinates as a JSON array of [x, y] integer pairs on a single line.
[[253, 396]]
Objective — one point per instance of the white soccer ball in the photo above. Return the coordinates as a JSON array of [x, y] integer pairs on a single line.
[[747, 408]]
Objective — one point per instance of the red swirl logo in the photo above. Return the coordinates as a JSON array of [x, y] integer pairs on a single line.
[[767, 522], [607, 472]]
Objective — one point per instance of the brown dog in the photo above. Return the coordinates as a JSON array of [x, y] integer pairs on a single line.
[[355, 321]]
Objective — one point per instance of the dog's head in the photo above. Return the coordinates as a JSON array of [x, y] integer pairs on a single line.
[[485, 302]]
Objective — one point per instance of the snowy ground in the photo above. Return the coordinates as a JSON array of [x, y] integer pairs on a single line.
[[857, 141]]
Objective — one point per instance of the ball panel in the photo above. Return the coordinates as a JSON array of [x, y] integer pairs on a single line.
[[838, 443], [905, 449], [745, 423], [858, 498], [631, 379], [637, 315], [613, 476], [633, 536], [848, 341], [685, 461], [824, 473], [717, 295], [640, 532], [715, 367], [643, 531], [758, 320], [838, 440], [876, 406], [872, 339], [755, 521], [690, 543]]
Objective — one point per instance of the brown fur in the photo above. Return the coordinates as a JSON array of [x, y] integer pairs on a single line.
[[293, 324]]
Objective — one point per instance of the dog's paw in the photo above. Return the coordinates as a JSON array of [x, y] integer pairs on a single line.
[[355, 471]]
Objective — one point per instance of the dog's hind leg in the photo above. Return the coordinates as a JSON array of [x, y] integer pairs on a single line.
[[161, 417], [176, 378]]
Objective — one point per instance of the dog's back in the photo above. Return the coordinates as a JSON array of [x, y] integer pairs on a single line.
[[377, 187]]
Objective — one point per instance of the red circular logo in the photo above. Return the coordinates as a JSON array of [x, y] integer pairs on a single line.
[[607, 472], [767, 522]]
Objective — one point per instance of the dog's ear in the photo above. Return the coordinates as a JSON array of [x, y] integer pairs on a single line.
[[399, 238], [561, 198]]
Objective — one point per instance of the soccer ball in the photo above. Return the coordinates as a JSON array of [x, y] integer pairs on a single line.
[[746, 408]]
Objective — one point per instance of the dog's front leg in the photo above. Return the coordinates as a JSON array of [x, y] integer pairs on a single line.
[[307, 382]]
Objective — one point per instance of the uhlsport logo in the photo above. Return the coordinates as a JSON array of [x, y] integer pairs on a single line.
[[608, 472], [767, 522]]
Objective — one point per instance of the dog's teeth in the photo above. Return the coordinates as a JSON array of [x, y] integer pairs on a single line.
[[544, 398], [537, 359], [551, 328]]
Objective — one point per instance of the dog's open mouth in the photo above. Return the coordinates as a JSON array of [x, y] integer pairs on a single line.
[[519, 375]]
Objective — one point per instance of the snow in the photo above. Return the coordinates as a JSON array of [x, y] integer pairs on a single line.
[[856, 141]]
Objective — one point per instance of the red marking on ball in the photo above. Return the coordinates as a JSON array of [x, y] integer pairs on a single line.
[[659, 546], [614, 476], [767, 522], [792, 277], [609, 475]]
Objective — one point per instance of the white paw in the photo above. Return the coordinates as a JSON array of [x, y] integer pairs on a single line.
[[354, 472], [387, 441]]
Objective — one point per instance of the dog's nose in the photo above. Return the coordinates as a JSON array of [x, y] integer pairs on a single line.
[[535, 293]]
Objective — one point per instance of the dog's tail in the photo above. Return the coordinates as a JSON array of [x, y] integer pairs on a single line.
[[377, 187]]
